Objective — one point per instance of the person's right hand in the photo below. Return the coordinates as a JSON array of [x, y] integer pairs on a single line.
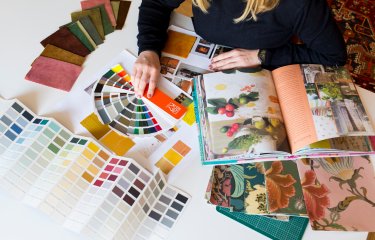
[[146, 70]]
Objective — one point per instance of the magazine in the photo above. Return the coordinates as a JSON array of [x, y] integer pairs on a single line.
[[292, 112]]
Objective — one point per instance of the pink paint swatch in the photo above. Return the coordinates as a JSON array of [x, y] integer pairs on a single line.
[[53, 73], [107, 5]]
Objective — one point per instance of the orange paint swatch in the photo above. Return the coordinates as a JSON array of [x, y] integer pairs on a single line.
[[117, 143]]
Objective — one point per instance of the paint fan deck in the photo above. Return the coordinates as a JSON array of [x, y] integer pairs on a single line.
[[117, 105], [79, 183]]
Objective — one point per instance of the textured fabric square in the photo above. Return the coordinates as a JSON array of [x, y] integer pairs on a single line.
[[66, 40], [107, 26], [95, 17], [107, 6], [122, 13], [57, 53], [54, 73], [91, 29], [78, 30]]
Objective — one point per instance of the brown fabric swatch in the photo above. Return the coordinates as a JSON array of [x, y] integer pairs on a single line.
[[64, 39], [95, 17], [60, 54], [122, 14]]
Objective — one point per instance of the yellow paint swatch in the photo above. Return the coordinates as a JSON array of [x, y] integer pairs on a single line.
[[93, 147], [321, 144], [87, 177], [164, 165], [179, 44], [117, 143], [189, 117], [173, 156], [89, 155], [93, 169], [181, 148], [94, 126]]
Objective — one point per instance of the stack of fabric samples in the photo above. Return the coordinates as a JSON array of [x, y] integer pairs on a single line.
[[65, 50], [331, 192]]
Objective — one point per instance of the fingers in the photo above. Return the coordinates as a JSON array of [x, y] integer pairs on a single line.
[[143, 83], [152, 84], [237, 58], [222, 56]]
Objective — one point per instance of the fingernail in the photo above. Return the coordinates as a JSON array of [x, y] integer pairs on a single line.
[[149, 95]]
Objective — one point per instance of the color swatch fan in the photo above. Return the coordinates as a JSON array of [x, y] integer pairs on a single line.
[[118, 105]]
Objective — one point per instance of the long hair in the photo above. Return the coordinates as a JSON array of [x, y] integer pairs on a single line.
[[252, 9]]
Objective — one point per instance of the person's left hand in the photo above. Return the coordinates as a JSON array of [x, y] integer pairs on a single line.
[[236, 58]]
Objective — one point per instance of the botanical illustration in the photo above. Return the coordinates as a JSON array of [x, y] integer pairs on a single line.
[[284, 190], [339, 193]]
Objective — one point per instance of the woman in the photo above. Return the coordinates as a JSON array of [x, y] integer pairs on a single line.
[[260, 31]]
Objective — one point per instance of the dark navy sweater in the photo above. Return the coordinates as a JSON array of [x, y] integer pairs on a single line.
[[309, 20]]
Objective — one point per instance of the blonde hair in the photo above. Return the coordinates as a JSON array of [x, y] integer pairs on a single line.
[[252, 9]]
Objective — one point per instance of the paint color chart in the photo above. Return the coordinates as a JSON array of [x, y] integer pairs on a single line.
[[173, 157], [80, 184], [117, 105]]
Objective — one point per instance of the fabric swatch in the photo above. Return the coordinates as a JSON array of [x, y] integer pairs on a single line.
[[95, 17], [66, 40], [107, 5], [122, 13], [79, 31], [115, 8], [107, 26], [57, 53], [339, 193], [91, 29], [179, 44], [53, 73]]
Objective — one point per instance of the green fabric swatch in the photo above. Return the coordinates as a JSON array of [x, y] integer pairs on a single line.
[[76, 29], [95, 17], [90, 28], [115, 8], [107, 26], [57, 53]]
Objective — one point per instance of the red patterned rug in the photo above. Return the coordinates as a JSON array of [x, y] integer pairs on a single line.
[[356, 19]]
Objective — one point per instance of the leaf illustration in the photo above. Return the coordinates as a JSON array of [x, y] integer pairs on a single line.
[[280, 187], [248, 121], [244, 142], [344, 204], [212, 110], [239, 183], [337, 226], [325, 221], [234, 102], [217, 102]]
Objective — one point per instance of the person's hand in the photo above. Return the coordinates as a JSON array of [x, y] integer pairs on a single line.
[[146, 70], [236, 58]]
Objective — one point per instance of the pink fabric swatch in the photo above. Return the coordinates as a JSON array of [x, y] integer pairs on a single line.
[[107, 5], [53, 73]]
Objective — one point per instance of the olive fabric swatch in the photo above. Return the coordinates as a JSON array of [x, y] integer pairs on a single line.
[[91, 29], [115, 8], [77, 29], [53, 73], [95, 17], [107, 6], [107, 26], [122, 13], [66, 40], [60, 54]]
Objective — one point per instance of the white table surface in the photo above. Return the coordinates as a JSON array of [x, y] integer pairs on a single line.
[[23, 25]]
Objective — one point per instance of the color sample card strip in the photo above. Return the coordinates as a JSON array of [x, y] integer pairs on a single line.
[[173, 157], [117, 105], [79, 183]]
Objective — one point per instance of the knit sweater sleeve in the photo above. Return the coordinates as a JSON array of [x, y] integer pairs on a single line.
[[153, 21], [322, 40]]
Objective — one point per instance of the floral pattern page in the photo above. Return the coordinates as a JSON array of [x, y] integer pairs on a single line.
[[339, 193], [243, 114]]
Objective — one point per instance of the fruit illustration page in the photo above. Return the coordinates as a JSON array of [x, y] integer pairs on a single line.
[[243, 114]]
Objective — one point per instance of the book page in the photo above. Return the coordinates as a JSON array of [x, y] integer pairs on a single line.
[[242, 114], [324, 100], [294, 106]]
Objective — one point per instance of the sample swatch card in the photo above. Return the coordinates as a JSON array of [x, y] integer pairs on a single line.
[[79, 183]]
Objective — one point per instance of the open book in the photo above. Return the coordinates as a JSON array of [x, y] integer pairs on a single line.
[[292, 112]]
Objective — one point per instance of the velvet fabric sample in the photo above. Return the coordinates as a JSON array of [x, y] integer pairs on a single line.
[[107, 5], [115, 8], [107, 26], [91, 29], [66, 40], [53, 73], [60, 54], [122, 13], [77, 29], [95, 17]]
